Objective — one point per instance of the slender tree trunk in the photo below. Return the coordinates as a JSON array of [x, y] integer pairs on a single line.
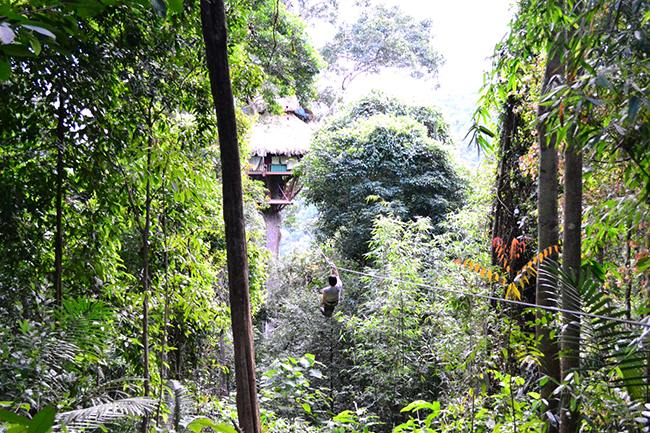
[[163, 357], [58, 236], [213, 20], [273, 220], [145, 285], [145, 276], [571, 261], [628, 266], [163, 343], [547, 237], [223, 375]]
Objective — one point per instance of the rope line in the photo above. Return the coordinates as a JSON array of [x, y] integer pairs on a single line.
[[488, 297], [509, 301], [319, 248]]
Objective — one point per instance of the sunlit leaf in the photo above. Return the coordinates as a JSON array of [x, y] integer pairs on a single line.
[[36, 45], [198, 424], [421, 404], [176, 6], [646, 17], [7, 34], [13, 418], [224, 428], [42, 421]]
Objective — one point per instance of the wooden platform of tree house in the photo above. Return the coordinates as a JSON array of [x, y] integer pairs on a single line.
[[270, 173], [279, 201]]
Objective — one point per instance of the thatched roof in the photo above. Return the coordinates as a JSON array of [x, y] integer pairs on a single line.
[[280, 135]]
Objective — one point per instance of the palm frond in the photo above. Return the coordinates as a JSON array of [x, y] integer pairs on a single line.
[[177, 402], [619, 347], [85, 322], [106, 413]]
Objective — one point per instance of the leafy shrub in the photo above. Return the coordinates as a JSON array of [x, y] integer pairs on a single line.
[[286, 385]]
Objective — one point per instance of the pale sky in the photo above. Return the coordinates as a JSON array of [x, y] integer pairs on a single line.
[[466, 32]]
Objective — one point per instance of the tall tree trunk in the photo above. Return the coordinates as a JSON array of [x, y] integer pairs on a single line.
[[145, 275], [213, 20], [58, 235], [165, 328], [571, 261], [547, 236], [145, 284], [223, 375], [273, 220], [628, 267]]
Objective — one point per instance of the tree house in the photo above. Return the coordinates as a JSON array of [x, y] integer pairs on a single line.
[[275, 170], [278, 143]]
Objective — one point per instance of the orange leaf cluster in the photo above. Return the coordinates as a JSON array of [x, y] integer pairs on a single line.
[[521, 279], [507, 255]]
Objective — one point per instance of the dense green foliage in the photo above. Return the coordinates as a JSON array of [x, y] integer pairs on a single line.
[[391, 342], [591, 105], [379, 157], [108, 145], [110, 207], [279, 45]]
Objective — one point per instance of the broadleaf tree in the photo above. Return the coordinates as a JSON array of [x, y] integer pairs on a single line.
[[382, 37], [597, 58], [376, 158], [279, 46], [130, 92]]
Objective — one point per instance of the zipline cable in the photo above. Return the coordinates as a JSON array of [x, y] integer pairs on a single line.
[[488, 297], [509, 301], [319, 248]]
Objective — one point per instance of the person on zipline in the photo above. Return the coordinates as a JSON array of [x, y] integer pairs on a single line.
[[331, 293]]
